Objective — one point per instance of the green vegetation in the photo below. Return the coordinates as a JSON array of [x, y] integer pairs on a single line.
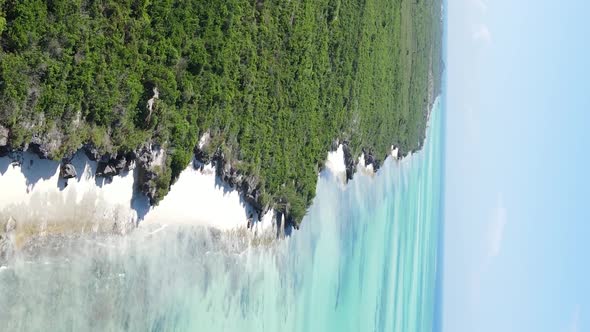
[[274, 81]]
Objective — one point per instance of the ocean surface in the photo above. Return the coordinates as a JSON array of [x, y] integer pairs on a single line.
[[365, 259]]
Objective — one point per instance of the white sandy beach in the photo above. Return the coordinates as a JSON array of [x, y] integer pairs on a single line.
[[198, 197], [335, 163], [33, 189]]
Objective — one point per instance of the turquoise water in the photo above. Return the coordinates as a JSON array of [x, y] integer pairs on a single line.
[[364, 260]]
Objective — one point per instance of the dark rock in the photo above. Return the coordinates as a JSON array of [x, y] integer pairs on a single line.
[[247, 186], [39, 148], [106, 170], [253, 198], [105, 158], [227, 175], [110, 166], [370, 159], [145, 156], [401, 153], [348, 161], [146, 174], [334, 146], [120, 163], [201, 156], [218, 160], [290, 224], [130, 157], [67, 171], [91, 152]]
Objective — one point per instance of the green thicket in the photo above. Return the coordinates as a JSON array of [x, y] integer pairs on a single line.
[[274, 81]]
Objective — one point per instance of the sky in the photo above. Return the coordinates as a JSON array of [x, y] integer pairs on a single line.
[[517, 211]]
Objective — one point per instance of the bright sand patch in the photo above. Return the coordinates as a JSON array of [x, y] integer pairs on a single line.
[[335, 163], [33, 193], [199, 197], [33, 190], [36, 182]]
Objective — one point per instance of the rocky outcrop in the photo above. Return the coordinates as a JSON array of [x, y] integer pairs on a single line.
[[91, 152], [395, 152], [247, 185], [3, 136], [106, 170], [370, 159], [67, 170], [349, 162], [4, 147], [250, 188], [151, 166], [109, 166], [201, 155], [150, 158], [39, 149], [46, 145]]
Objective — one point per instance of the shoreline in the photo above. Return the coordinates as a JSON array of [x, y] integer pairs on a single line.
[[88, 203], [42, 202]]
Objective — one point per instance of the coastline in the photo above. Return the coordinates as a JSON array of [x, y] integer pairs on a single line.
[[271, 121], [42, 202], [355, 247]]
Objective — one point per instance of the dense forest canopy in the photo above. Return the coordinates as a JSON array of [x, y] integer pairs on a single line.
[[273, 81]]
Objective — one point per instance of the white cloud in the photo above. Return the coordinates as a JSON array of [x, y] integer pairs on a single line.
[[482, 34], [496, 228]]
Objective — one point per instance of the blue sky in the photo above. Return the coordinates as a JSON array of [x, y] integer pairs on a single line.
[[517, 241]]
